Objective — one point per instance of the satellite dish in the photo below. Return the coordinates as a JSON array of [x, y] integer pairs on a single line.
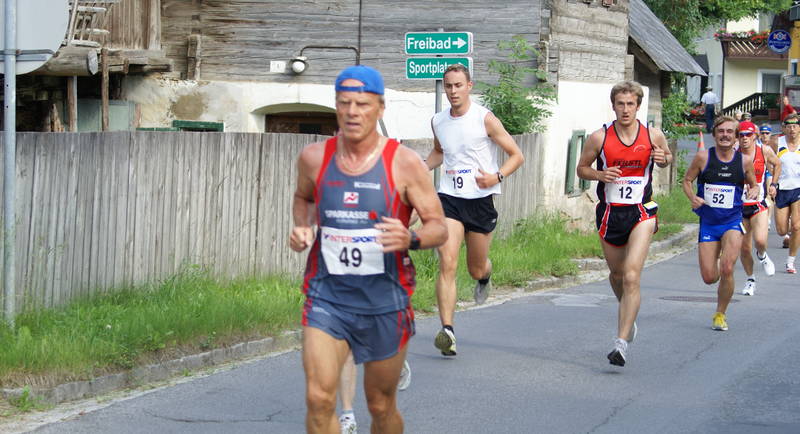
[[41, 25]]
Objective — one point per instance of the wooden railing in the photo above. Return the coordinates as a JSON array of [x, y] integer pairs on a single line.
[[755, 104], [745, 48]]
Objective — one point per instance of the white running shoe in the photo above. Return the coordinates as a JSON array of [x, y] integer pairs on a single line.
[[347, 424], [405, 376], [749, 287], [618, 355], [769, 266], [790, 268]]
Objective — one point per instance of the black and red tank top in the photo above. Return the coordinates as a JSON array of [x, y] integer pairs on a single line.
[[346, 265], [634, 186]]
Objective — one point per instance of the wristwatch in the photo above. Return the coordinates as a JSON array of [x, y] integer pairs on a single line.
[[500, 176], [414, 243], [774, 185]]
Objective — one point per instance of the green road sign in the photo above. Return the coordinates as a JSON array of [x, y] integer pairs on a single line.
[[432, 68], [439, 43]]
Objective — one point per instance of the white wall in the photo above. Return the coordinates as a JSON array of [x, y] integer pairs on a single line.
[[241, 105]]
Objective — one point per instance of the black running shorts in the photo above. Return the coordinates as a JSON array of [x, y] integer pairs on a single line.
[[751, 210], [615, 223], [477, 215]]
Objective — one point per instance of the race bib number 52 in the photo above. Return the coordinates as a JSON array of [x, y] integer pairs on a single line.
[[352, 251], [718, 196]]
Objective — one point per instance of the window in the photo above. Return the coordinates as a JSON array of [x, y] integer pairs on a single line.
[[769, 80], [573, 185]]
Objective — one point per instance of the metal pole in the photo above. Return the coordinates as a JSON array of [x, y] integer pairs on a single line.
[[438, 90], [9, 151]]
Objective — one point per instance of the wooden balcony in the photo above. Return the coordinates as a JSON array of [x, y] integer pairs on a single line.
[[745, 48]]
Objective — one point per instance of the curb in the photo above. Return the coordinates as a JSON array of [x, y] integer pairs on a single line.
[[292, 339], [160, 371]]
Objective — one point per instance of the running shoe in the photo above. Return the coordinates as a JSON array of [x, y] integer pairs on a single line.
[[785, 242], [749, 287], [405, 376], [719, 322], [634, 331], [446, 342], [790, 268], [617, 356], [481, 291], [769, 266], [347, 424]]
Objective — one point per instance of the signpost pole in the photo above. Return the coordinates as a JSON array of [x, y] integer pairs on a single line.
[[438, 89], [10, 151]]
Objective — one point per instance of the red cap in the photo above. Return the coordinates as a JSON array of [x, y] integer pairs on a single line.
[[748, 126]]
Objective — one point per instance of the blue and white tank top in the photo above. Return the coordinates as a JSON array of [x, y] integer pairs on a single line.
[[721, 185]]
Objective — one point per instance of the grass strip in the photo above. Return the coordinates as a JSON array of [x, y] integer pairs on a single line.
[[192, 311]]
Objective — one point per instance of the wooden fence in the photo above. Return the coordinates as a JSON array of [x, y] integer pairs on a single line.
[[97, 211]]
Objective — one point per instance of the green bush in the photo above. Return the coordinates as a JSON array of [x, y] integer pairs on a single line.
[[520, 108]]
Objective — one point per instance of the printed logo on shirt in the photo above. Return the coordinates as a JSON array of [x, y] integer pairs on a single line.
[[350, 198], [628, 164], [367, 185]]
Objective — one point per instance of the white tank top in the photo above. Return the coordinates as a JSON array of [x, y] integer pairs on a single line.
[[790, 166], [467, 148]]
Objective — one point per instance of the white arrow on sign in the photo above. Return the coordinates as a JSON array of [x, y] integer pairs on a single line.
[[460, 42]]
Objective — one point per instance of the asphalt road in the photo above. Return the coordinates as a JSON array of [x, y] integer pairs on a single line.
[[536, 364]]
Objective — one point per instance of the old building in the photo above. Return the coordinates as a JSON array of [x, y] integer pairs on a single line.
[[226, 66]]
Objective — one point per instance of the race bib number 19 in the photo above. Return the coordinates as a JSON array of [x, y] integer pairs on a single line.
[[718, 196], [461, 180], [352, 251]]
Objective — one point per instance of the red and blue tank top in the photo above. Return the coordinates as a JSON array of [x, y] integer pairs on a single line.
[[635, 184], [346, 265]]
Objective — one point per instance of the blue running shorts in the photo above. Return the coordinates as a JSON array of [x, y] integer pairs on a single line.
[[371, 337], [785, 198], [710, 233]]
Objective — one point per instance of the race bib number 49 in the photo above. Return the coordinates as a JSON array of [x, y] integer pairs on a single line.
[[352, 251], [628, 190], [718, 196]]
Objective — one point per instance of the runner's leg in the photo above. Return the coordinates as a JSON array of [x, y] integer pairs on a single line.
[[731, 244], [323, 357], [347, 385], [708, 255], [478, 254], [446, 291], [380, 388], [625, 266], [747, 244]]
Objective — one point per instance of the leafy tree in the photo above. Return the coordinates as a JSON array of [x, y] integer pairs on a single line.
[[687, 19], [521, 109]]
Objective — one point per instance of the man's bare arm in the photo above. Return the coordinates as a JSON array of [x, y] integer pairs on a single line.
[[308, 164], [436, 156], [413, 179], [662, 156], [692, 173], [497, 132], [591, 150]]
